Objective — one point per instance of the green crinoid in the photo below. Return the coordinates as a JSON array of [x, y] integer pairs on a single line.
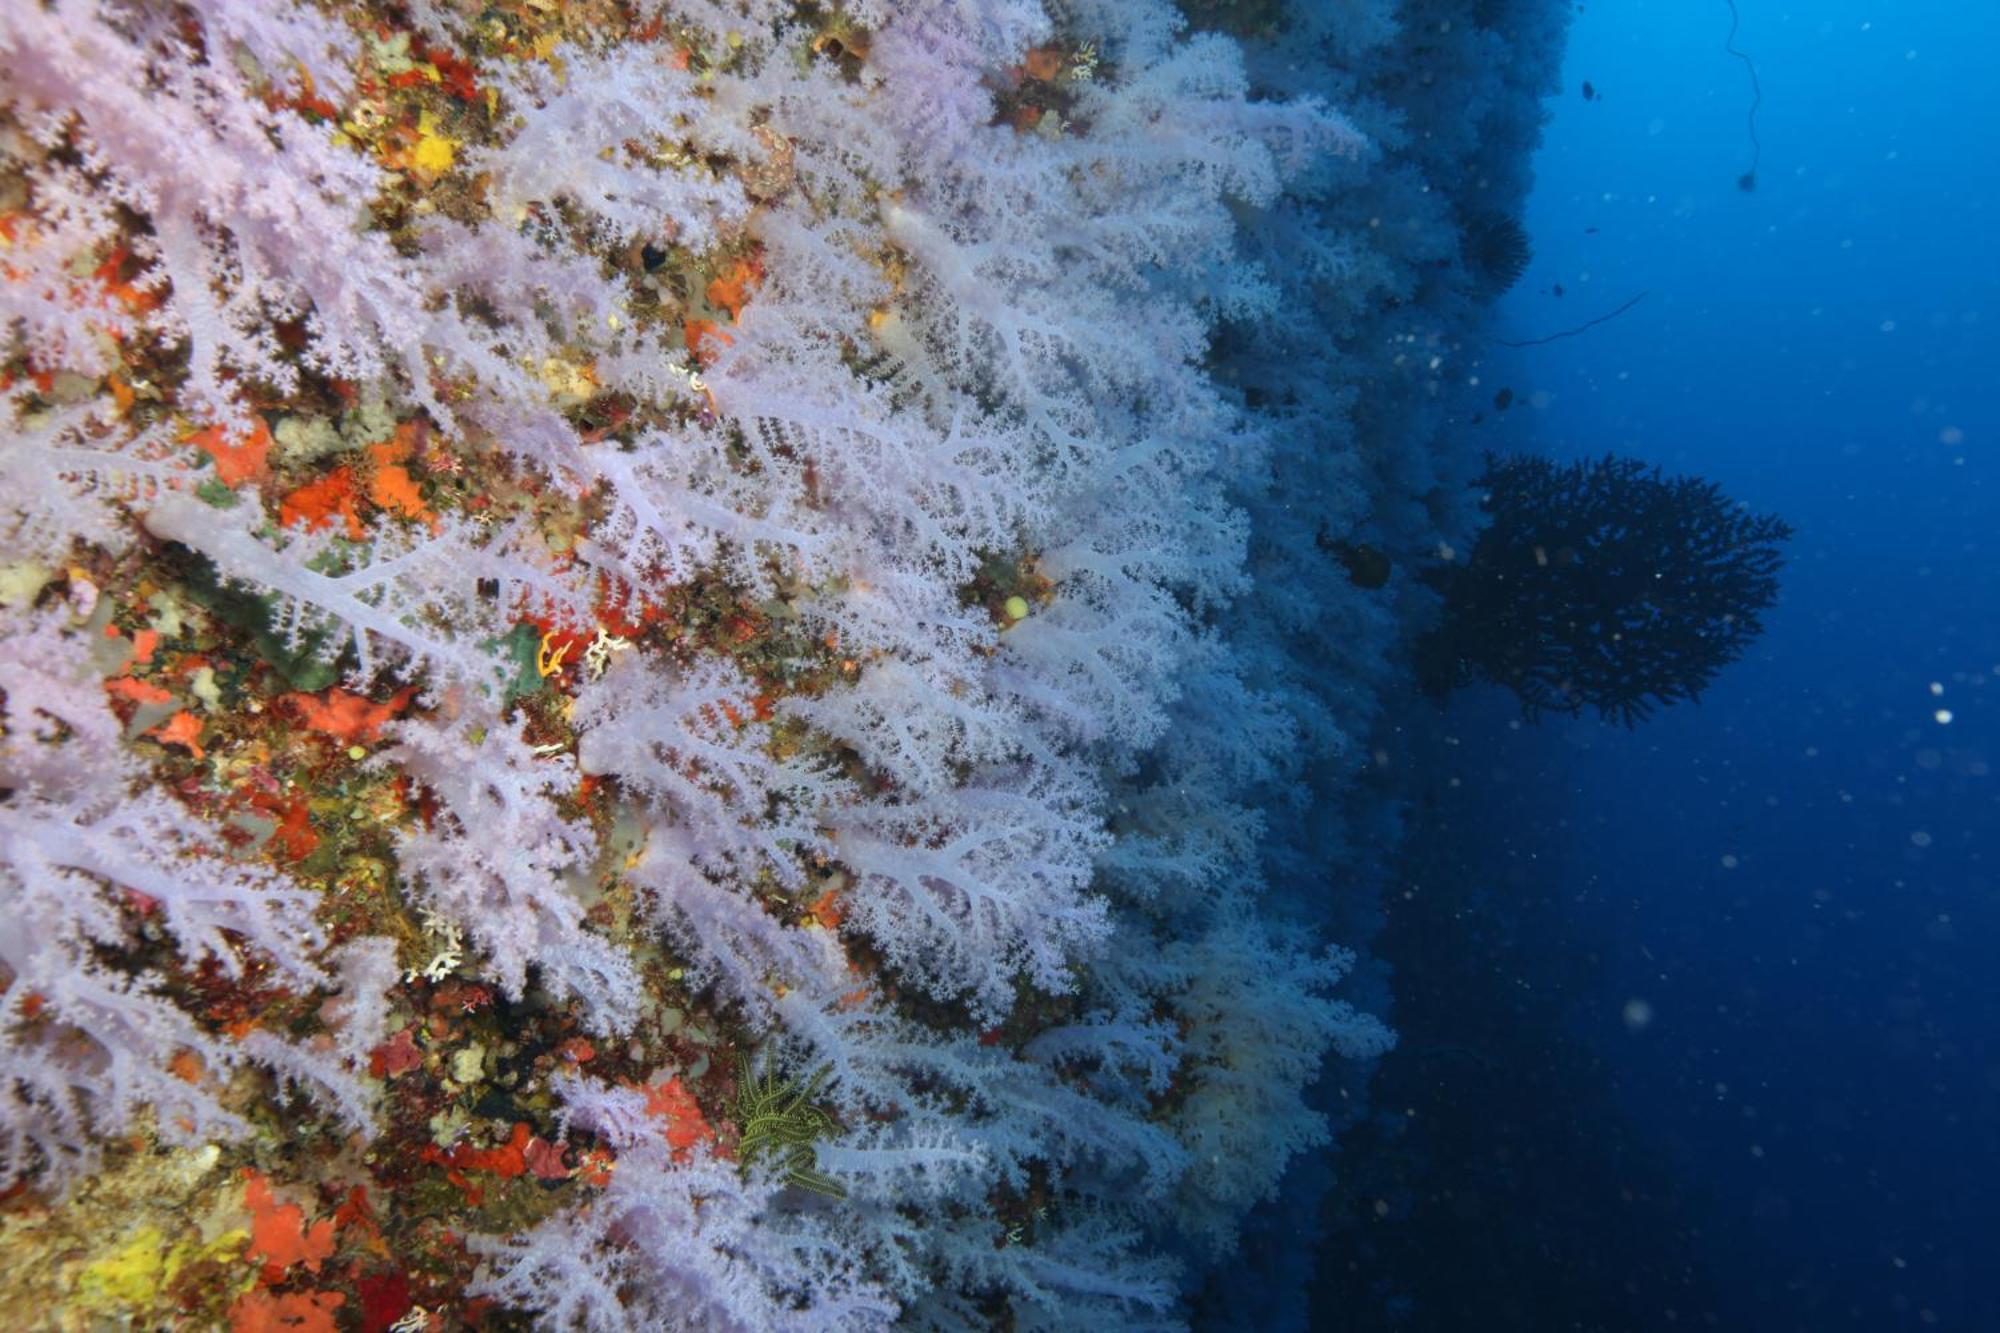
[[778, 1120]]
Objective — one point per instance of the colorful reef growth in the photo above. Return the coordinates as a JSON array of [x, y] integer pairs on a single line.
[[666, 664]]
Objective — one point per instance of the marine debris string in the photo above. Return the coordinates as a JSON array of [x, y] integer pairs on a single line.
[[1572, 332], [1748, 180]]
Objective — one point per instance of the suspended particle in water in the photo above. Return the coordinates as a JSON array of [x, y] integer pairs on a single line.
[[1638, 1015]]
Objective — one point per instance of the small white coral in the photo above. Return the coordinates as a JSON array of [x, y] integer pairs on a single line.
[[691, 742], [591, 137], [495, 862]]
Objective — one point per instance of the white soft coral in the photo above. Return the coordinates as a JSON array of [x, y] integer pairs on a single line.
[[86, 864]]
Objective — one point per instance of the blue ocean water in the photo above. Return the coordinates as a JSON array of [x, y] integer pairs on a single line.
[[1700, 1018]]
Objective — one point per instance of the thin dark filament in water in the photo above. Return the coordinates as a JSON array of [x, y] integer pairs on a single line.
[[1748, 180]]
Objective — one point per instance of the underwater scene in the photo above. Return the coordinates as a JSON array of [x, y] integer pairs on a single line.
[[998, 665]]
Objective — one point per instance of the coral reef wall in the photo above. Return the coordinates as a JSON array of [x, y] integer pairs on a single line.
[[699, 664], [1369, 385]]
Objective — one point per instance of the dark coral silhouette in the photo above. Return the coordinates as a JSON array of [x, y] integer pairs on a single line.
[[1497, 253], [1601, 585]]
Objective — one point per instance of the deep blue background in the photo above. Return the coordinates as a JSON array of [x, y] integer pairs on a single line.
[[1797, 876]]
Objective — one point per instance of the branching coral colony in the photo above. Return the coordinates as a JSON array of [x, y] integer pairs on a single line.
[[556, 555]]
